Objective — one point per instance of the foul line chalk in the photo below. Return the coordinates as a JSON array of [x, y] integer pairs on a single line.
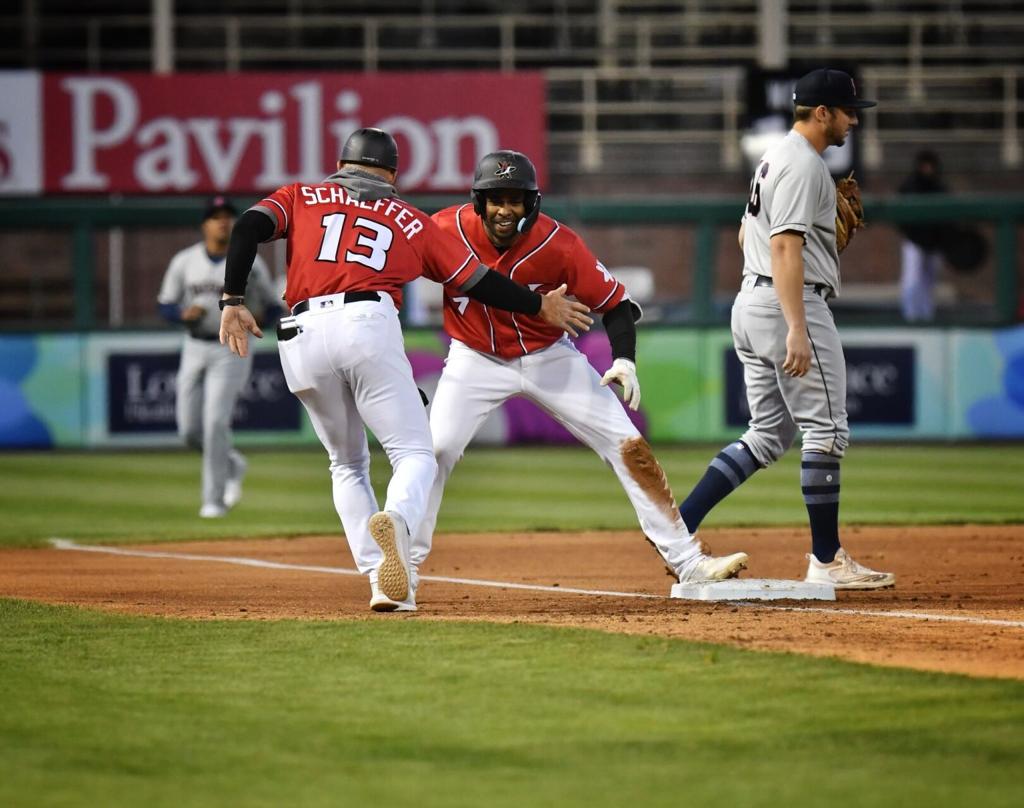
[[67, 544]]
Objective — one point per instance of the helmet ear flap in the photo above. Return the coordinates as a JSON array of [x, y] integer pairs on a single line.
[[532, 199], [479, 202]]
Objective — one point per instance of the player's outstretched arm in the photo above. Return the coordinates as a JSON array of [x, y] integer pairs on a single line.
[[237, 322], [494, 289]]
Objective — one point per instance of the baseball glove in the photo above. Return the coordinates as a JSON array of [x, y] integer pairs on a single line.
[[849, 211]]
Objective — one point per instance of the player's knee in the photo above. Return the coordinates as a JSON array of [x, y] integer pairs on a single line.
[[833, 449], [832, 443], [356, 466], [446, 457], [768, 447]]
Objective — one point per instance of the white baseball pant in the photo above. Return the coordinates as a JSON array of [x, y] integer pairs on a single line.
[[562, 382], [348, 368]]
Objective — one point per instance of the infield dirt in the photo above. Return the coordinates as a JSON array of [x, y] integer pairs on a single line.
[[974, 574]]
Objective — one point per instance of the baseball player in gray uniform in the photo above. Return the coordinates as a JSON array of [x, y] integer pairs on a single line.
[[783, 329], [210, 377]]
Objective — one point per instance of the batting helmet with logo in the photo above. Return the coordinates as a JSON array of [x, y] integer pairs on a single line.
[[510, 170], [371, 147]]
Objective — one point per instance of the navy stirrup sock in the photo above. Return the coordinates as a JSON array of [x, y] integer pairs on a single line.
[[819, 479], [730, 467]]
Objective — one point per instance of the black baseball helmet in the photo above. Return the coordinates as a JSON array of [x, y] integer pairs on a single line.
[[507, 170], [371, 147]]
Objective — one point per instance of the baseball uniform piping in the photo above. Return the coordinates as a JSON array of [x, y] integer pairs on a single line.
[[462, 235], [824, 384], [461, 267], [283, 212], [611, 294], [515, 266]]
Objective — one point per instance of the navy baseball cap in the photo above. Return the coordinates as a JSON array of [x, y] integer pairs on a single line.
[[215, 204], [831, 88]]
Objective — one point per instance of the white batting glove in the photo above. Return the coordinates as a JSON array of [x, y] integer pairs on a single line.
[[624, 372]]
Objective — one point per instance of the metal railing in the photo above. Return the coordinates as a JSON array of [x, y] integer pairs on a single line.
[[592, 109], [609, 82], [980, 104], [618, 37]]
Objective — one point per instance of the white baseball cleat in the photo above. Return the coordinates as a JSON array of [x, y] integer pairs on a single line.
[[233, 491], [388, 530], [845, 573], [714, 568], [380, 602], [212, 511]]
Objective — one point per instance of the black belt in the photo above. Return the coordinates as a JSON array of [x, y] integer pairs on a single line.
[[349, 297], [820, 289], [206, 337]]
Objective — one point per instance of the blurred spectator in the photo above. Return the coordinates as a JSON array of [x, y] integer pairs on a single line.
[[920, 255]]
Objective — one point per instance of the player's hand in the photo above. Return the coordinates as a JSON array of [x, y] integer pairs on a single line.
[[798, 353], [623, 371], [192, 313], [236, 323], [569, 315]]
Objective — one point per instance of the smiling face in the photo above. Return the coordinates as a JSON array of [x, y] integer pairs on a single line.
[[502, 212]]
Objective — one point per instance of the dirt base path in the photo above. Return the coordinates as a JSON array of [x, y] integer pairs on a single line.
[[958, 605]]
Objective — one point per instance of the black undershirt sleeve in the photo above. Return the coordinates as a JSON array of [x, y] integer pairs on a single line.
[[249, 231], [621, 329], [494, 289]]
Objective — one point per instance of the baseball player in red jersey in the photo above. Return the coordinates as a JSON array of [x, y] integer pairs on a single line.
[[352, 244], [495, 355]]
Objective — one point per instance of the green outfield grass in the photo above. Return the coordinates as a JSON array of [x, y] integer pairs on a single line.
[[135, 496], [110, 710]]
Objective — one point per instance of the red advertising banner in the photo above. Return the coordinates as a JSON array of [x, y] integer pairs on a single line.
[[252, 132]]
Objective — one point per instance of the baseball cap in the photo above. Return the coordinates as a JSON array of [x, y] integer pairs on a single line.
[[215, 204], [833, 88]]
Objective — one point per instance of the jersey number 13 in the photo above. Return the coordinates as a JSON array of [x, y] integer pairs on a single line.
[[376, 239]]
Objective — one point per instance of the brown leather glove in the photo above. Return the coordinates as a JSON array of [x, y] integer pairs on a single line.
[[849, 211]]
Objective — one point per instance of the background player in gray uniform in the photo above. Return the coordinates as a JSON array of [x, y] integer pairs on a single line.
[[783, 329], [210, 376]]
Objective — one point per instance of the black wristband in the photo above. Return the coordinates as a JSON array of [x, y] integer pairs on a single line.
[[231, 301]]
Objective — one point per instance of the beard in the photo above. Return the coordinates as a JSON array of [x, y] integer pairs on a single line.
[[833, 134], [498, 239]]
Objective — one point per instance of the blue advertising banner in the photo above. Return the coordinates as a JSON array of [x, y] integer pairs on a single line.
[[141, 389], [880, 386]]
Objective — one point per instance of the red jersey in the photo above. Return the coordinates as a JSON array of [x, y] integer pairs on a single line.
[[338, 244], [548, 255]]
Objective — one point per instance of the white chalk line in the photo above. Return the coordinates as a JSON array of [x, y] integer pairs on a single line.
[[68, 544]]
